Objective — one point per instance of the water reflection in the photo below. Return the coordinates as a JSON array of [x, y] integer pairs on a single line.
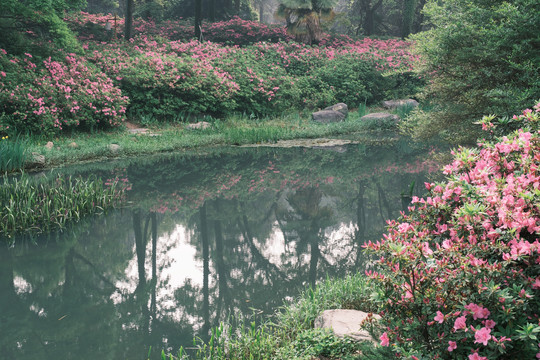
[[203, 238]]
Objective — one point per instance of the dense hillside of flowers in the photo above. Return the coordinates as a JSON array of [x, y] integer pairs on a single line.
[[246, 67]]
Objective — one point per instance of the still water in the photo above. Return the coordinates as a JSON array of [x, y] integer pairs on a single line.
[[203, 236]]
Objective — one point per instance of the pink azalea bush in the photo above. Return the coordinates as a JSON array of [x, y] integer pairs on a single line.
[[53, 96], [167, 77], [459, 275], [241, 66]]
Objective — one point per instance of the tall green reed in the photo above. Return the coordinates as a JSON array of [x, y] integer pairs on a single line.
[[12, 154], [30, 206]]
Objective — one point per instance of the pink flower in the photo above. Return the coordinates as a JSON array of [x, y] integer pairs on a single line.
[[452, 346], [460, 323], [490, 324], [426, 250], [477, 311], [482, 336], [475, 356], [385, 341], [439, 318]]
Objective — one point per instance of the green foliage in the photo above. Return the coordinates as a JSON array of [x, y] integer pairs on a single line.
[[323, 342], [482, 58], [31, 24], [347, 79]]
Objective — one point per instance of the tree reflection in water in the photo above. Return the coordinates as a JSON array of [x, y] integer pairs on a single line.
[[203, 239]]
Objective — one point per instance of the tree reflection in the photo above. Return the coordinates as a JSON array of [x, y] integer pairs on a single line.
[[206, 239]]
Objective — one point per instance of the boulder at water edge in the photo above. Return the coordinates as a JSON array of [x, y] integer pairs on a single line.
[[346, 323], [381, 118], [36, 161], [334, 113]]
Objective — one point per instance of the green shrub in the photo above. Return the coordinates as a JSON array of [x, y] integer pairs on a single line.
[[481, 58], [323, 342]]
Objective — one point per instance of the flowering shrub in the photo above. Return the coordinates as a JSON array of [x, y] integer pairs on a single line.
[[166, 77], [56, 96], [460, 274]]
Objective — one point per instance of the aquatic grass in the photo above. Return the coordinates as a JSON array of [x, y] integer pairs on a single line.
[[33, 206], [240, 136], [12, 154]]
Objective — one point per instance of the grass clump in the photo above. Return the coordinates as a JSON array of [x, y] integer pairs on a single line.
[[290, 333], [12, 154], [30, 206]]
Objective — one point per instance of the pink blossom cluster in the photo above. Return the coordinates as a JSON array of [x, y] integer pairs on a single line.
[[462, 269], [52, 96]]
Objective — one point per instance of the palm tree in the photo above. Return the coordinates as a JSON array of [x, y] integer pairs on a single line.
[[304, 18]]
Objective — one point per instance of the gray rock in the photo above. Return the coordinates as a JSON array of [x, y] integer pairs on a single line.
[[380, 117], [331, 114], [346, 323], [138, 131], [198, 125], [36, 160], [393, 104], [141, 132], [114, 148], [327, 116], [341, 107]]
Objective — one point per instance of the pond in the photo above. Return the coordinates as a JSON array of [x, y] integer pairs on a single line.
[[203, 236]]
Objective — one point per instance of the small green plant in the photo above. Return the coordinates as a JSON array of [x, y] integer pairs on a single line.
[[404, 111], [323, 342], [12, 154]]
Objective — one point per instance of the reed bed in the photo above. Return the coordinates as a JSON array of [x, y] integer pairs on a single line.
[[30, 206], [12, 154]]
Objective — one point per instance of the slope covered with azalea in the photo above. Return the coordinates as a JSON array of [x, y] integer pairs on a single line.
[[459, 275], [248, 68]]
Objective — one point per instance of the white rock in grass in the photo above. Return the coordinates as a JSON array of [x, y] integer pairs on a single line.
[[345, 323], [394, 104], [199, 125], [114, 148]]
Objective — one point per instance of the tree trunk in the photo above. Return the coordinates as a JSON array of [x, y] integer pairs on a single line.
[[198, 20], [212, 10], [409, 9], [129, 19]]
